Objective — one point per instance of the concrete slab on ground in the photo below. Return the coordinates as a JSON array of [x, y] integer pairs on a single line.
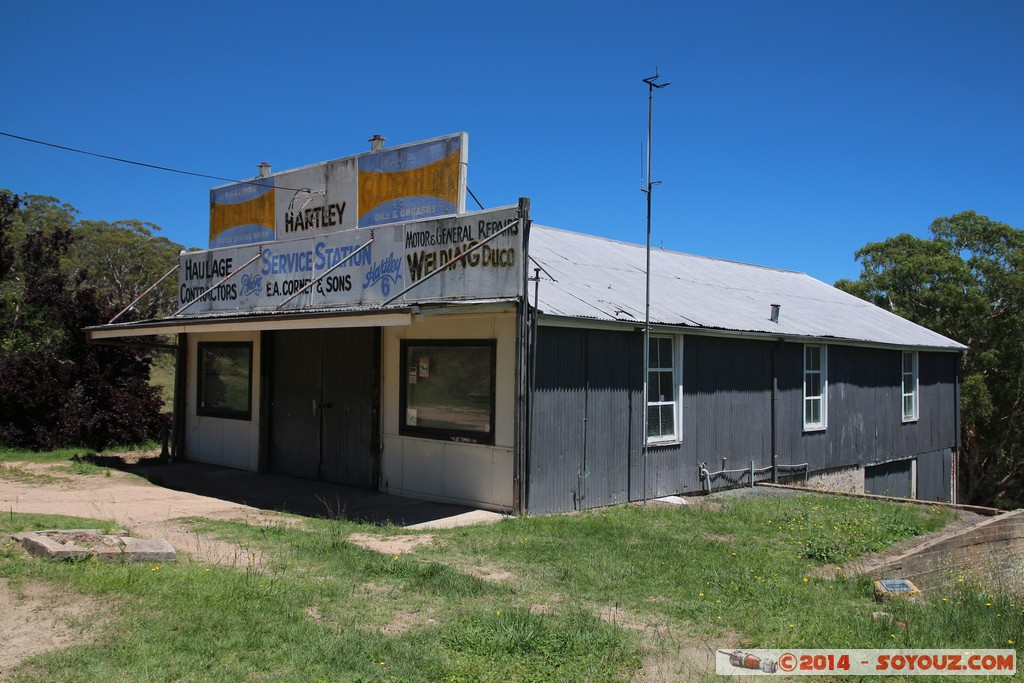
[[82, 544]]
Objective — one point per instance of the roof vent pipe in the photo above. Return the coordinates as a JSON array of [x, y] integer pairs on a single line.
[[377, 143], [264, 168], [775, 313]]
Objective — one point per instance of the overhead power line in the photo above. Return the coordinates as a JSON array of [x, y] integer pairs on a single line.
[[125, 161], [167, 168]]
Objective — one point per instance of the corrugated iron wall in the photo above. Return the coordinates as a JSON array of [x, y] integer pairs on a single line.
[[865, 418], [586, 431], [582, 416], [727, 406], [890, 479], [935, 476]]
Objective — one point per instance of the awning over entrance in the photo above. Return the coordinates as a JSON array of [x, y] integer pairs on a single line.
[[249, 323]]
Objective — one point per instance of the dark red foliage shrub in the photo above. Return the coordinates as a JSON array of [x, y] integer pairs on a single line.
[[56, 389]]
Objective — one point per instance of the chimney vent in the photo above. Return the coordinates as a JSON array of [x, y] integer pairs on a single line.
[[264, 169], [775, 313], [377, 143]]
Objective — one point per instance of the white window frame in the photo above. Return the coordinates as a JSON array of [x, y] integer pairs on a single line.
[[914, 394], [677, 383], [823, 397]]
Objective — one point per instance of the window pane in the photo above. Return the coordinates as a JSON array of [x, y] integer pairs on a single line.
[[667, 387], [653, 421], [908, 362], [812, 411], [664, 352], [224, 379], [908, 406], [814, 385], [660, 386], [668, 425], [449, 389], [661, 421], [812, 358], [660, 353]]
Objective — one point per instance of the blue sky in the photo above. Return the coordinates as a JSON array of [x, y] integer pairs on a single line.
[[792, 133]]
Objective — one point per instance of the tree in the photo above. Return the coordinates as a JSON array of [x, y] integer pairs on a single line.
[[966, 282], [58, 389], [123, 259]]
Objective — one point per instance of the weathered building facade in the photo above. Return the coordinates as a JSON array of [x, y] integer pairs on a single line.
[[477, 358]]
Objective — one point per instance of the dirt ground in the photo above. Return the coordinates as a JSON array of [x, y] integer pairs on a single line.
[[34, 621]]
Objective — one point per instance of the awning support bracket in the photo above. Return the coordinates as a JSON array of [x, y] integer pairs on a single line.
[[139, 297]]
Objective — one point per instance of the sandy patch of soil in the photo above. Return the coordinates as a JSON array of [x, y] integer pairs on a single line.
[[123, 498], [488, 573], [391, 545], [402, 621], [35, 620], [202, 548]]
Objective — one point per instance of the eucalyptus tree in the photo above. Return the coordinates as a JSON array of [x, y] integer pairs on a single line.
[[966, 281]]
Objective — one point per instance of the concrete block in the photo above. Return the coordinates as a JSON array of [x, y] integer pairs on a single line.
[[148, 550], [81, 544]]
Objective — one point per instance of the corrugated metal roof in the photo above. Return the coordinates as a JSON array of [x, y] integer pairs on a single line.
[[602, 279]]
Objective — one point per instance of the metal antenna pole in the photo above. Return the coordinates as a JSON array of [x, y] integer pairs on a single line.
[[651, 85]]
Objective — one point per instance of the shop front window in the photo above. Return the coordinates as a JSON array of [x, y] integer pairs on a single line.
[[225, 380], [448, 390]]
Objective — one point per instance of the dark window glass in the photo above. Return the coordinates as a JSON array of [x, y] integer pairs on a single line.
[[225, 380], [448, 390]]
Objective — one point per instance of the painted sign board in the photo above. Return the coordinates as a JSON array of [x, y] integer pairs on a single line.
[[242, 213], [399, 184], [315, 199], [397, 256]]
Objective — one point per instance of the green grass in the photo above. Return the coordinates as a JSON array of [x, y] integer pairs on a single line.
[[12, 523], [325, 609], [73, 460], [54, 456], [318, 613], [21, 475], [161, 375]]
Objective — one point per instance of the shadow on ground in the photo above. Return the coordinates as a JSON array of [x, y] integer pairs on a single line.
[[285, 494]]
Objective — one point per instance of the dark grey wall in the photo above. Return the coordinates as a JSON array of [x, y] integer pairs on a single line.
[[890, 479], [583, 419], [586, 433], [865, 419], [935, 476]]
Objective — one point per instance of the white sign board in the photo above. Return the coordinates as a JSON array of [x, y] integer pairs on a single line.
[[474, 259], [399, 184]]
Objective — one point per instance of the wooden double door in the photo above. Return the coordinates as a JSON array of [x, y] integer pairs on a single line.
[[324, 399]]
